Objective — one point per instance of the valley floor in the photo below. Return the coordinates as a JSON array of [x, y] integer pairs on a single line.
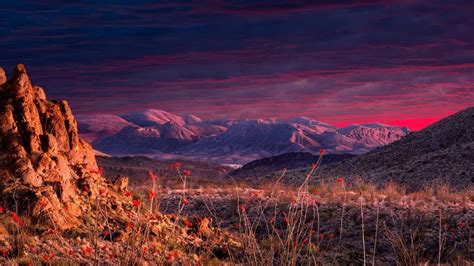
[[332, 223], [268, 225]]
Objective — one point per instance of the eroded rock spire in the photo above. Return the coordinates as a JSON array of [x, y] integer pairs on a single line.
[[46, 170]]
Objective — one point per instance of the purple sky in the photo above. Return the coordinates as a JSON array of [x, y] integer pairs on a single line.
[[399, 62]]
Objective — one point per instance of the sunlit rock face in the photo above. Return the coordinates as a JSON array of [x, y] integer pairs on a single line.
[[46, 170]]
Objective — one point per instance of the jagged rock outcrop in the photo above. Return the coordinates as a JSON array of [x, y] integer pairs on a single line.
[[46, 170]]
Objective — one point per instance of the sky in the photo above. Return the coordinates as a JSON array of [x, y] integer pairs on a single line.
[[406, 63]]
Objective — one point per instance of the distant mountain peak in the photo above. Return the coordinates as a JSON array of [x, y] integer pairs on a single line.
[[309, 122], [190, 119], [152, 117]]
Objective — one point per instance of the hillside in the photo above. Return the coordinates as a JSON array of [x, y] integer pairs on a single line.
[[290, 161], [442, 152]]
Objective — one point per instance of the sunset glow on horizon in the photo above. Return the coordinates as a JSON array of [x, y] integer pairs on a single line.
[[405, 63]]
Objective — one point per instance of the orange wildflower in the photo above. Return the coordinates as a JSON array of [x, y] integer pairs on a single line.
[[242, 208], [151, 194], [152, 176], [16, 219], [136, 203], [175, 166], [188, 223], [185, 202]]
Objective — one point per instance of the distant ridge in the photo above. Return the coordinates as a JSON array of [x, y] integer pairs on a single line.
[[292, 160], [160, 134]]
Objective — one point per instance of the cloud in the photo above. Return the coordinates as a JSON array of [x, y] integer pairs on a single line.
[[332, 60]]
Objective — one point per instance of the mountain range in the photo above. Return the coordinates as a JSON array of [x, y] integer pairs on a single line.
[[442, 153], [159, 134]]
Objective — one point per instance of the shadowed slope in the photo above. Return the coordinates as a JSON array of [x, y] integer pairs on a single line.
[[442, 152]]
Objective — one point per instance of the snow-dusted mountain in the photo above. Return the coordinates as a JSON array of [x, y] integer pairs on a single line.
[[374, 134], [152, 117], [158, 133], [95, 127]]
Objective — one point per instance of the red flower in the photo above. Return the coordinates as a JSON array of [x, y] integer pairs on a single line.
[[136, 203], [152, 176], [188, 223], [322, 151], [287, 220], [186, 172], [340, 180], [321, 236], [151, 194], [128, 194], [242, 208], [185, 202], [87, 251], [16, 219], [172, 255], [462, 224], [175, 166], [1, 209]]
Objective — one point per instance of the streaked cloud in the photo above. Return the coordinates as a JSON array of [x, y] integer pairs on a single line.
[[406, 62]]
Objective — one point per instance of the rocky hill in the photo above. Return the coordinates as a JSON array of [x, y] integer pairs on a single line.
[[441, 153], [45, 167]]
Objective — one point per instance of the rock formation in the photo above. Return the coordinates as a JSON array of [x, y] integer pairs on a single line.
[[46, 170]]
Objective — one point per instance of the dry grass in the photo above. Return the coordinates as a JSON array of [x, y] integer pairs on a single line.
[[271, 224], [310, 224]]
